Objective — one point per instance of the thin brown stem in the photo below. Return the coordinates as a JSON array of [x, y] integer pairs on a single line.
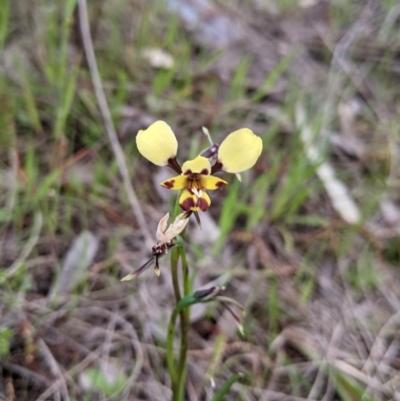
[[108, 122]]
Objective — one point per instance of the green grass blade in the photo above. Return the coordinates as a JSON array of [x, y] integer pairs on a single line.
[[65, 105], [65, 34], [272, 78], [220, 394], [30, 103], [238, 86], [4, 18]]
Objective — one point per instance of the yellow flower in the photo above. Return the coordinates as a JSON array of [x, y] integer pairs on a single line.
[[238, 152], [195, 180], [157, 143]]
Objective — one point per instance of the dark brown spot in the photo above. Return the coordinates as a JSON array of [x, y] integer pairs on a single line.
[[196, 214], [188, 172], [168, 184], [173, 163], [216, 167], [187, 204], [204, 293], [202, 204], [220, 184], [204, 172]]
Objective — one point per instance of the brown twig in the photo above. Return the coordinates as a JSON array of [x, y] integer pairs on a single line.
[[105, 112]]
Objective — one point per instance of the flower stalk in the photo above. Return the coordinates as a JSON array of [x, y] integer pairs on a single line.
[[178, 374], [182, 309], [238, 152], [185, 323]]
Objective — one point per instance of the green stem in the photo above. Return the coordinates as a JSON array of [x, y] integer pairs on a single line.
[[185, 324], [174, 273], [176, 374], [219, 395], [177, 386], [170, 350], [181, 386], [174, 262], [172, 322]]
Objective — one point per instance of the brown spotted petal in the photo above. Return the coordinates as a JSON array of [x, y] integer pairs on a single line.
[[211, 183], [190, 202], [178, 182]]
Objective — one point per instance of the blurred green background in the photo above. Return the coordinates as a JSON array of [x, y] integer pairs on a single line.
[[308, 242]]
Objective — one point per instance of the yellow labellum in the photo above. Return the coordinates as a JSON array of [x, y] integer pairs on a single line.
[[157, 143], [239, 151], [191, 202]]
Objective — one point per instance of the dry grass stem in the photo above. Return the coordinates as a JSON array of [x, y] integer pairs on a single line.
[[112, 134]]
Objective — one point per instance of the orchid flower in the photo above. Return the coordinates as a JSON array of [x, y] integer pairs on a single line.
[[238, 152]]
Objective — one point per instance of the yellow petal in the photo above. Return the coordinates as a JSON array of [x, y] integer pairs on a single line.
[[199, 165], [210, 182], [239, 151], [190, 202], [157, 143], [178, 182]]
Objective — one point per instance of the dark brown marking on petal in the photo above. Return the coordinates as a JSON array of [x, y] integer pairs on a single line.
[[161, 249], [216, 167], [187, 214], [173, 163], [204, 172], [187, 204], [187, 172], [202, 204], [196, 214], [168, 184], [220, 184]]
